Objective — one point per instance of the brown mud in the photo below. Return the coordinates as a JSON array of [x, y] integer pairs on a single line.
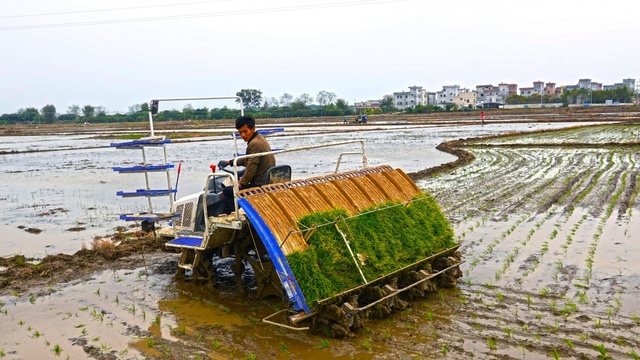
[[547, 225]]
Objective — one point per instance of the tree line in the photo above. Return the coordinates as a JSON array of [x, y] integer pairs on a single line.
[[324, 104]]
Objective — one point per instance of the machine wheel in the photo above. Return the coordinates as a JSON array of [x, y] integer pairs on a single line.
[[205, 271]]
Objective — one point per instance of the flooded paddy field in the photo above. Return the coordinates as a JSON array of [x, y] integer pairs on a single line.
[[58, 191], [548, 223]]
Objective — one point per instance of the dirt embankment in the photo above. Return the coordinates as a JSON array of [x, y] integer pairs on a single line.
[[24, 275]]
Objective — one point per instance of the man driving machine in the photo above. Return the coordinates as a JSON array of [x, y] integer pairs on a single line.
[[255, 167]]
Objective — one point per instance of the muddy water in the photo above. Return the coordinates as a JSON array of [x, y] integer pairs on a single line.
[[549, 271]]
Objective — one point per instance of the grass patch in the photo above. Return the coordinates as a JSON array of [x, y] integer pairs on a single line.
[[383, 238]]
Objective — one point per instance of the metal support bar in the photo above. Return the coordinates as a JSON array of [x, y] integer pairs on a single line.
[[355, 261], [268, 321], [396, 292], [364, 162], [237, 98]]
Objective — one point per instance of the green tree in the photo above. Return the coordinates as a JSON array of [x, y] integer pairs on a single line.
[[286, 99], [188, 112], [29, 114], [305, 99], [49, 114], [74, 110], [325, 98], [251, 98], [387, 104], [298, 105], [342, 104], [134, 108], [101, 110], [270, 103], [87, 111]]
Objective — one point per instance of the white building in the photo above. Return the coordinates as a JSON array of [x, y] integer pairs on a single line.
[[408, 99], [448, 94]]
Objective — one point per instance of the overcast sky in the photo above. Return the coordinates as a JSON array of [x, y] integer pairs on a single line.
[[122, 52]]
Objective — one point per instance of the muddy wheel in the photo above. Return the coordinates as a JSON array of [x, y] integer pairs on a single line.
[[333, 321], [267, 281], [205, 271]]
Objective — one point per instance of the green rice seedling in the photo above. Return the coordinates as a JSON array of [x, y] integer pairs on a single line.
[[529, 301], [84, 308], [544, 292], [538, 315], [84, 331], [632, 354], [182, 330], [215, 344], [36, 334], [105, 347], [568, 342], [603, 351], [569, 307], [553, 305], [20, 322], [325, 267], [67, 316], [609, 313], [117, 300], [582, 297], [508, 331], [367, 344], [283, 347], [97, 292], [57, 349], [620, 341], [445, 349], [635, 319], [429, 315], [554, 354], [151, 343], [96, 339], [124, 351], [618, 303], [32, 299], [492, 343], [2, 353], [251, 356], [156, 320], [597, 323], [79, 326]]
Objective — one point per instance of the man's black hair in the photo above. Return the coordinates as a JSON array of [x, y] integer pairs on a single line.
[[248, 120]]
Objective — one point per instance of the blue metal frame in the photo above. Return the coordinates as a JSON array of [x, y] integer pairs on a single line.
[[278, 258]]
